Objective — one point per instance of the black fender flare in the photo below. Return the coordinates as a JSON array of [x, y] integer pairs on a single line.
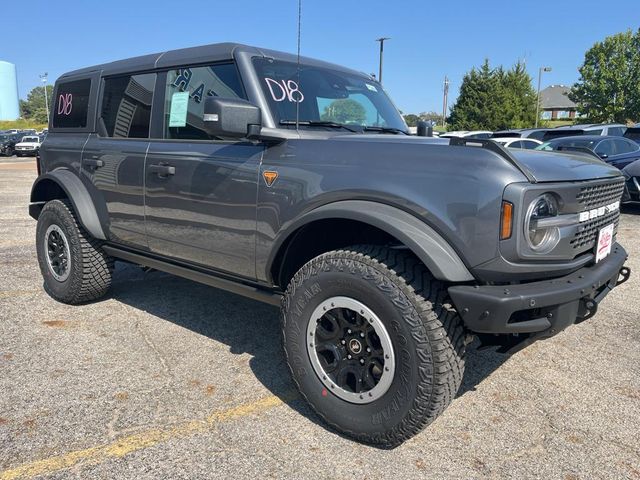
[[78, 195], [427, 244]]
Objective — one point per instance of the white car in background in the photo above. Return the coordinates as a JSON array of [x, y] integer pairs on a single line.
[[517, 142], [483, 134], [29, 146]]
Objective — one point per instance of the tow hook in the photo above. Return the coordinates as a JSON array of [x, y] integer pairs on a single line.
[[625, 273], [591, 307]]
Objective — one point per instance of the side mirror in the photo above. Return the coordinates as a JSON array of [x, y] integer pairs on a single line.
[[602, 155], [231, 117]]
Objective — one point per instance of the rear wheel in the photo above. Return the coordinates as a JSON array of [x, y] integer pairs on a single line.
[[74, 267], [371, 342]]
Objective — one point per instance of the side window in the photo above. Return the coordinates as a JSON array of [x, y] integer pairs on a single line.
[[622, 146], [185, 92], [605, 148], [126, 106], [529, 145], [516, 144], [616, 131], [70, 106]]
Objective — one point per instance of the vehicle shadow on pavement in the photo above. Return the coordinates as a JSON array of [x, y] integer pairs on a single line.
[[245, 326]]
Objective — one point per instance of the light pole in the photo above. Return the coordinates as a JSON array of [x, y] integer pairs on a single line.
[[540, 70], [381, 40], [44, 78], [445, 91]]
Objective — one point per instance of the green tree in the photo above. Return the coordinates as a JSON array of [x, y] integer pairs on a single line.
[[411, 119], [345, 110], [609, 85], [431, 116], [494, 99], [33, 107], [519, 98]]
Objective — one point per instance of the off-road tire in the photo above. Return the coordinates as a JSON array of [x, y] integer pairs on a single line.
[[426, 333], [90, 268]]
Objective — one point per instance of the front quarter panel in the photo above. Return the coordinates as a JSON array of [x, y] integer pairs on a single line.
[[455, 190]]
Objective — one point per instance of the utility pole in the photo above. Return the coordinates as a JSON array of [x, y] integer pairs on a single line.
[[381, 40], [540, 70], [444, 100], [44, 78]]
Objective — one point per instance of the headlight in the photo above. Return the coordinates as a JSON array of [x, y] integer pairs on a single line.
[[542, 236]]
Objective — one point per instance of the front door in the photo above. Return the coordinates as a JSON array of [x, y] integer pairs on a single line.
[[201, 192]]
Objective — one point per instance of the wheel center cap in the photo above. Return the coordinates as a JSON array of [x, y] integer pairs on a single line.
[[355, 346]]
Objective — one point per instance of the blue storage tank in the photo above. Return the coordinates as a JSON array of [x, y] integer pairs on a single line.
[[9, 105]]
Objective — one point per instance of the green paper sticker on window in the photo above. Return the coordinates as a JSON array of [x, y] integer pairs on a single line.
[[179, 107]]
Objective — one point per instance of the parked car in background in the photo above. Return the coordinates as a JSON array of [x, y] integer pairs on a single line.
[[603, 129], [7, 144], [633, 133], [535, 133], [484, 134], [29, 146], [516, 142], [616, 151], [632, 175]]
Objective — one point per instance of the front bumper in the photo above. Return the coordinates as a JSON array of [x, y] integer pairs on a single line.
[[540, 308]]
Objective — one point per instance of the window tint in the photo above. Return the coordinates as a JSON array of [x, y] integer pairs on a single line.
[[605, 147], [516, 144], [185, 92], [528, 144], [616, 131], [623, 146], [70, 106], [126, 106], [594, 132]]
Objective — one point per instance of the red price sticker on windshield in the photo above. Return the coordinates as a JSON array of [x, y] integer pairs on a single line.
[[605, 240]]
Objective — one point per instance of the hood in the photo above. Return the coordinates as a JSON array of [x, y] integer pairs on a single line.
[[541, 166], [562, 167], [27, 144]]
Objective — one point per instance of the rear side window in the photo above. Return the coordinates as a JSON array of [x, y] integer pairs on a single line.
[[126, 106], [70, 106], [185, 93]]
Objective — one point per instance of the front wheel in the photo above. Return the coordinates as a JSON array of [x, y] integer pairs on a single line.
[[371, 342]]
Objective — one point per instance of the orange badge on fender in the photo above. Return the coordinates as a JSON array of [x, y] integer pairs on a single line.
[[269, 177]]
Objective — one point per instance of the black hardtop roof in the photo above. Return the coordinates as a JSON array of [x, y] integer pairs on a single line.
[[203, 54]]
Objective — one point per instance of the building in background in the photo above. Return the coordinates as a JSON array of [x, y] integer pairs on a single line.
[[9, 105], [555, 103]]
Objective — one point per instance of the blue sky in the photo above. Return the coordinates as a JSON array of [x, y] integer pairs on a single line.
[[429, 39]]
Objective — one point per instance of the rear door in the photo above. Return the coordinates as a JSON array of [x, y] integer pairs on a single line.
[[201, 191], [114, 157]]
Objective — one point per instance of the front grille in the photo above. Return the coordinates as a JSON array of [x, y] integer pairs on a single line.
[[598, 195], [595, 196], [587, 233]]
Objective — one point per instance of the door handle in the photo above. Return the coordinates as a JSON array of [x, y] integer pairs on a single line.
[[93, 162], [162, 170]]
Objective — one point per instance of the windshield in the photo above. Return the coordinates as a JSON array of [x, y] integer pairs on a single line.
[[31, 139], [325, 95]]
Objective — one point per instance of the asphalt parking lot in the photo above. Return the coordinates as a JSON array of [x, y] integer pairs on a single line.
[[166, 378]]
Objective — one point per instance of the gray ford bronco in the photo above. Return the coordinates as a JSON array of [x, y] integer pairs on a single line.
[[295, 182]]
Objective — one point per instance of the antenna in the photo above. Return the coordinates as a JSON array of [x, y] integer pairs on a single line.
[[298, 66]]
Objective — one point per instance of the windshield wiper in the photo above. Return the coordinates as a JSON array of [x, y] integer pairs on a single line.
[[384, 130], [318, 123]]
